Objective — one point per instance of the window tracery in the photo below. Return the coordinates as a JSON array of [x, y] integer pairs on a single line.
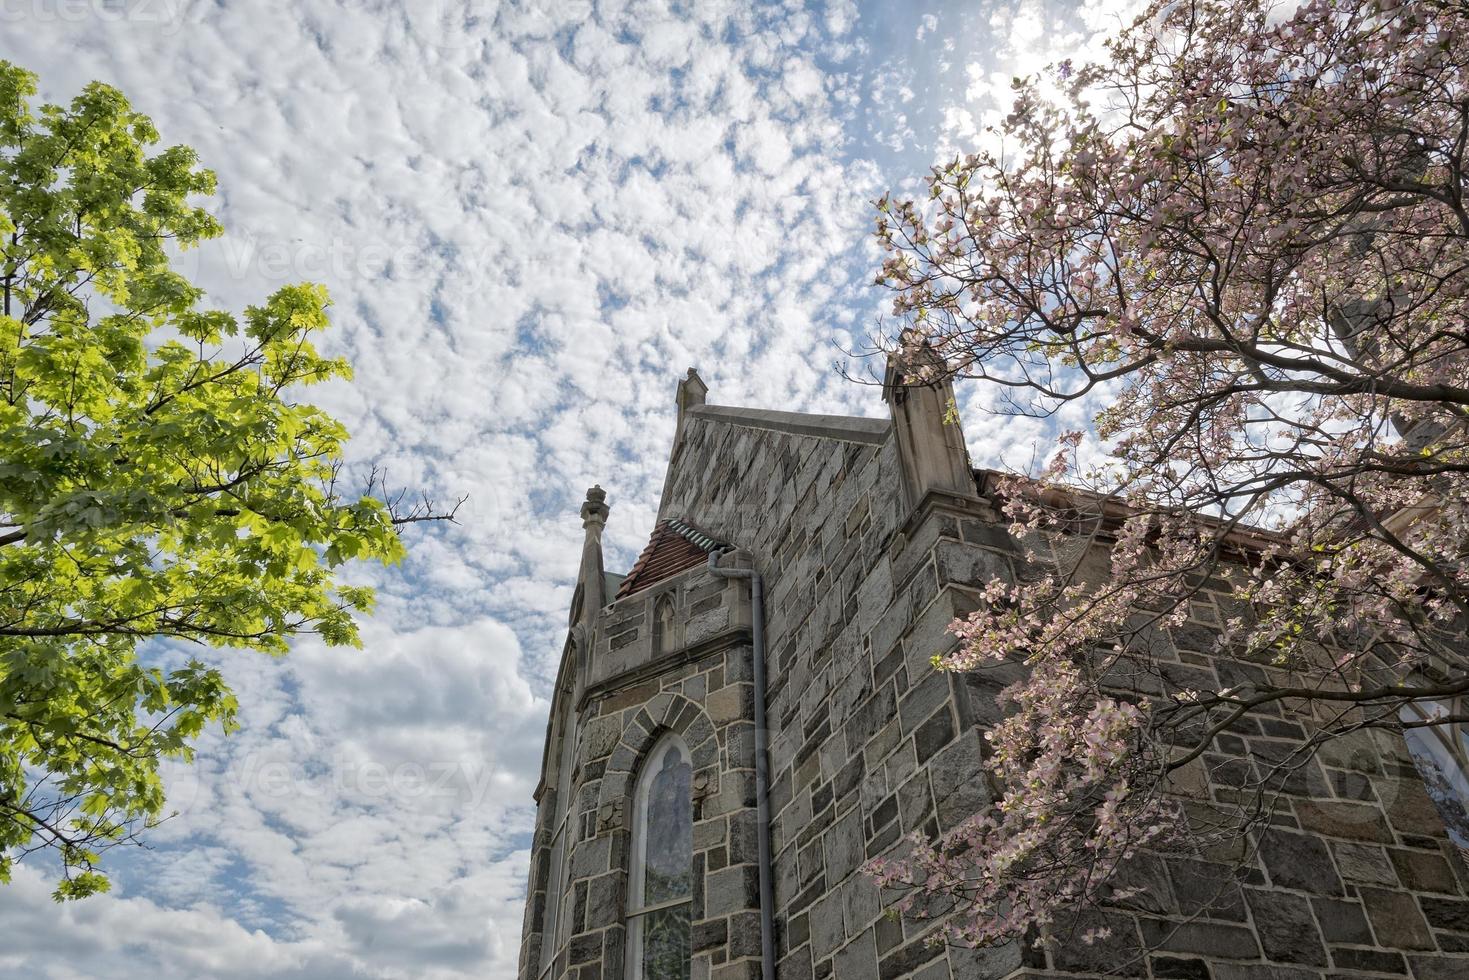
[[661, 875]]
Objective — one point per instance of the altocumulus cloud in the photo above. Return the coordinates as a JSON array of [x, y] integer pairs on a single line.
[[532, 218]]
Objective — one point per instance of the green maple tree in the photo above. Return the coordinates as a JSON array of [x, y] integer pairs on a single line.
[[158, 478]]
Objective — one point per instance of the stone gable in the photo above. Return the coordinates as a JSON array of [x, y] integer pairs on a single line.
[[868, 743]]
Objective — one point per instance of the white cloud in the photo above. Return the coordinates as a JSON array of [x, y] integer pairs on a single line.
[[1022, 38], [96, 937], [532, 217]]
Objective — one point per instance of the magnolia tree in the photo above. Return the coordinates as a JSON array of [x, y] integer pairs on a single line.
[[1241, 244]]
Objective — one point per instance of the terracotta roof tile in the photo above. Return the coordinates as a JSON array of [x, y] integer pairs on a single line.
[[673, 547]]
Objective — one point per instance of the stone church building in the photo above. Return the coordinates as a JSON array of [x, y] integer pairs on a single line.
[[750, 714]]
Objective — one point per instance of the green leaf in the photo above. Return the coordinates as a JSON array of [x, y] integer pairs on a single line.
[[170, 478]]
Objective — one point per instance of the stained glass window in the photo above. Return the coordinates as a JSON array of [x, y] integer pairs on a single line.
[[1440, 748], [662, 868]]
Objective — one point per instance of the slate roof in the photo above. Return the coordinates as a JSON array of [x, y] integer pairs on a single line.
[[611, 582], [673, 547]]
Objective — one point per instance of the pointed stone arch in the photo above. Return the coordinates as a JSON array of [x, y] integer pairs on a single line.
[[665, 712], [661, 715]]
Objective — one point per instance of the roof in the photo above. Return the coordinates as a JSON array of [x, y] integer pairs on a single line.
[[1247, 538], [673, 547], [848, 428]]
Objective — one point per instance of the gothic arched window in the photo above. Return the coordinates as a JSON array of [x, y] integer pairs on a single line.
[[661, 879], [552, 935], [1440, 748], [663, 624]]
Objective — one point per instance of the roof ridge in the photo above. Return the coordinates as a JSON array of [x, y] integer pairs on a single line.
[[695, 535], [848, 428]]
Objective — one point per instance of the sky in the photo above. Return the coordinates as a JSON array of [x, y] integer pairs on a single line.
[[532, 220]]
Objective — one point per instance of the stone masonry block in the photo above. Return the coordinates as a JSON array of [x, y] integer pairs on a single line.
[[1286, 927], [731, 890], [1342, 922], [858, 959], [827, 929], [929, 693], [1424, 871], [1396, 920], [1217, 940], [1116, 953], [994, 963], [861, 903], [706, 625], [930, 635], [874, 596], [733, 702], [1364, 862], [957, 781], [842, 845], [1356, 821], [1299, 861], [969, 565]]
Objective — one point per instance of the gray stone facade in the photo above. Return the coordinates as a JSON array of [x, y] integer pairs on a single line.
[[868, 550]]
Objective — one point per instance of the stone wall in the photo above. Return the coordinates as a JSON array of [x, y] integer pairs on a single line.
[[699, 687], [1354, 877], [868, 743]]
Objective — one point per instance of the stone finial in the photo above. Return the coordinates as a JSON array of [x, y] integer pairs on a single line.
[[690, 395], [691, 391], [590, 584], [930, 438], [594, 509]]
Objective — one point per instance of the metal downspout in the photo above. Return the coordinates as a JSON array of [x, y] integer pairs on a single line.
[[762, 765]]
